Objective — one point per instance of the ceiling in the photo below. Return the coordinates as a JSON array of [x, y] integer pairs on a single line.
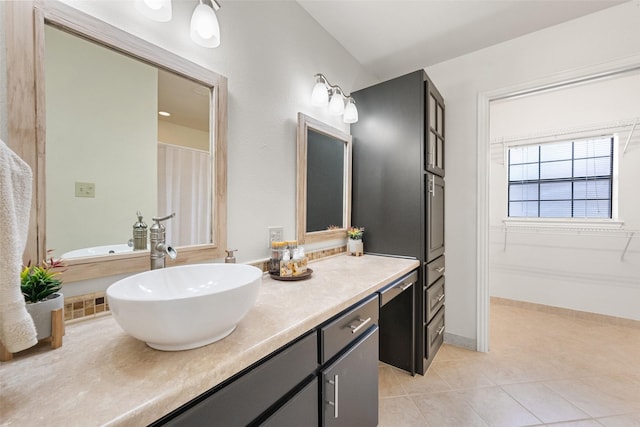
[[186, 101], [393, 37]]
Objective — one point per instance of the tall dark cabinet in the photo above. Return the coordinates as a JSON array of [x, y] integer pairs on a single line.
[[398, 190]]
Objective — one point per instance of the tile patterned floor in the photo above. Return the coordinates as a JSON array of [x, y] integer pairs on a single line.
[[543, 369]]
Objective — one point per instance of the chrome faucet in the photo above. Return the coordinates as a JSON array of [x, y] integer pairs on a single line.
[[159, 247]]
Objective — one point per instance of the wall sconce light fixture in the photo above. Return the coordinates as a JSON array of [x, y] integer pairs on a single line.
[[325, 94], [157, 10], [204, 28]]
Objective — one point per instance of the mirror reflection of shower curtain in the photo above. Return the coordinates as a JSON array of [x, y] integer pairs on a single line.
[[184, 187]]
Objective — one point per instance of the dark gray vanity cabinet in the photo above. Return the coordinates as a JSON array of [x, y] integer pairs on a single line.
[[327, 377], [281, 385], [350, 385], [398, 182], [349, 366]]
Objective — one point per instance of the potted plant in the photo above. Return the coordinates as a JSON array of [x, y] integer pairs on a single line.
[[40, 285], [355, 246]]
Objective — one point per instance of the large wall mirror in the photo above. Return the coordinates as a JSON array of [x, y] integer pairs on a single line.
[[324, 181], [103, 151]]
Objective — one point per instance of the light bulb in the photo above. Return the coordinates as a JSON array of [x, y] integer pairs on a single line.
[[157, 10], [153, 4], [350, 112], [320, 95], [205, 30], [336, 105]]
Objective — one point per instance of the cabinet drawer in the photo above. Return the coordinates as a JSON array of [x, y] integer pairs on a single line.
[[247, 397], [435, 270], [435, 334], [435, 299], [396, 288], [346, 327]]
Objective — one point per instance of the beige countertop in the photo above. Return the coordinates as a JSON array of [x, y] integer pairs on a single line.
[[102, 376]]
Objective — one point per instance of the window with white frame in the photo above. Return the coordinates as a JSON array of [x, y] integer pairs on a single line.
[[569, 179]]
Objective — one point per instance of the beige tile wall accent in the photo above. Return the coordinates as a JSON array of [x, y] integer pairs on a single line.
[[94, 304], [576, 314], [87, 305]]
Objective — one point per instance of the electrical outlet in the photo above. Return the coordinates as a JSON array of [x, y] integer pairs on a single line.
[[85, 189], [275, 234]]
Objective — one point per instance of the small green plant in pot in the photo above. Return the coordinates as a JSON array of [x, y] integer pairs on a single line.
[[355, 246], [355, 233], [40, 285]]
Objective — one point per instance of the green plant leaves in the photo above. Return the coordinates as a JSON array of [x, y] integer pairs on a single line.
[[38, 283]]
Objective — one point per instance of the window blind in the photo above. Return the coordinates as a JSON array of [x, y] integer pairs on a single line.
[[568, 179]]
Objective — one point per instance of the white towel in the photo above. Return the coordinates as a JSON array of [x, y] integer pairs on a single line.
[[17, 331]]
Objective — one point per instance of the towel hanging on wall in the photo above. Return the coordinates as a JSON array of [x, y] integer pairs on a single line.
[[17, 331]]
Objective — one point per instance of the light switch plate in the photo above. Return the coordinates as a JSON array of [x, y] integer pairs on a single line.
[[85, 189], [275, 234]]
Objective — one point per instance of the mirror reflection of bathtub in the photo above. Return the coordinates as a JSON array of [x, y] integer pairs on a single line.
[[97, 251]]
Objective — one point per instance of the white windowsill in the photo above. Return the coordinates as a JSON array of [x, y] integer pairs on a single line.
[[569, 223]]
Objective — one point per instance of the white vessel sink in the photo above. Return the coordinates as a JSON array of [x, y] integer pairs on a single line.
[[184, 307], [97, 250]]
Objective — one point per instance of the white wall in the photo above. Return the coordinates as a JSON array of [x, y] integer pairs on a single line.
[[591, 40], [183, 136], [101, 129], [577, 270], [270, 52]]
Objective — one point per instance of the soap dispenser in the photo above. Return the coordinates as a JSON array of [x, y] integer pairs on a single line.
[[139, 234], [230, 259]]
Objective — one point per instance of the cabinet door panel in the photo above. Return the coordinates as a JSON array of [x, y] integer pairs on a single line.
[[434, 131], [435, 216], [300, 410], [350, 386]]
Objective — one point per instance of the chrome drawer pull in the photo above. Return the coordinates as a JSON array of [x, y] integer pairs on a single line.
[[440, 330], [404, 287], [355, 329], [440, 269], [441, 297], [335, 398]]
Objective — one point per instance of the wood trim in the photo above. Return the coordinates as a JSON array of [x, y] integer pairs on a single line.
[[21, 117], [482, 224], [24, 28], [69, 19], [40, 108], [304, 123], [301, 181]]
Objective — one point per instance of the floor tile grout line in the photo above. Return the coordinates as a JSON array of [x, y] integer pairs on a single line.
[[533, 413]]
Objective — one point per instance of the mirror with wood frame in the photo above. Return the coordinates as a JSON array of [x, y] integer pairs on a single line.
[[40, 143], [323, 181]]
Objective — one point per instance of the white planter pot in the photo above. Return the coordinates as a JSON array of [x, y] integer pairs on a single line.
[[355, 247], [41, 313]]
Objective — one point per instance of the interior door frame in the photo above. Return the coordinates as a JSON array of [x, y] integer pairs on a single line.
[[571, 77]]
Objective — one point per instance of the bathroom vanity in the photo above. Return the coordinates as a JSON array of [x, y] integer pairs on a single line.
[[315, 331]]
